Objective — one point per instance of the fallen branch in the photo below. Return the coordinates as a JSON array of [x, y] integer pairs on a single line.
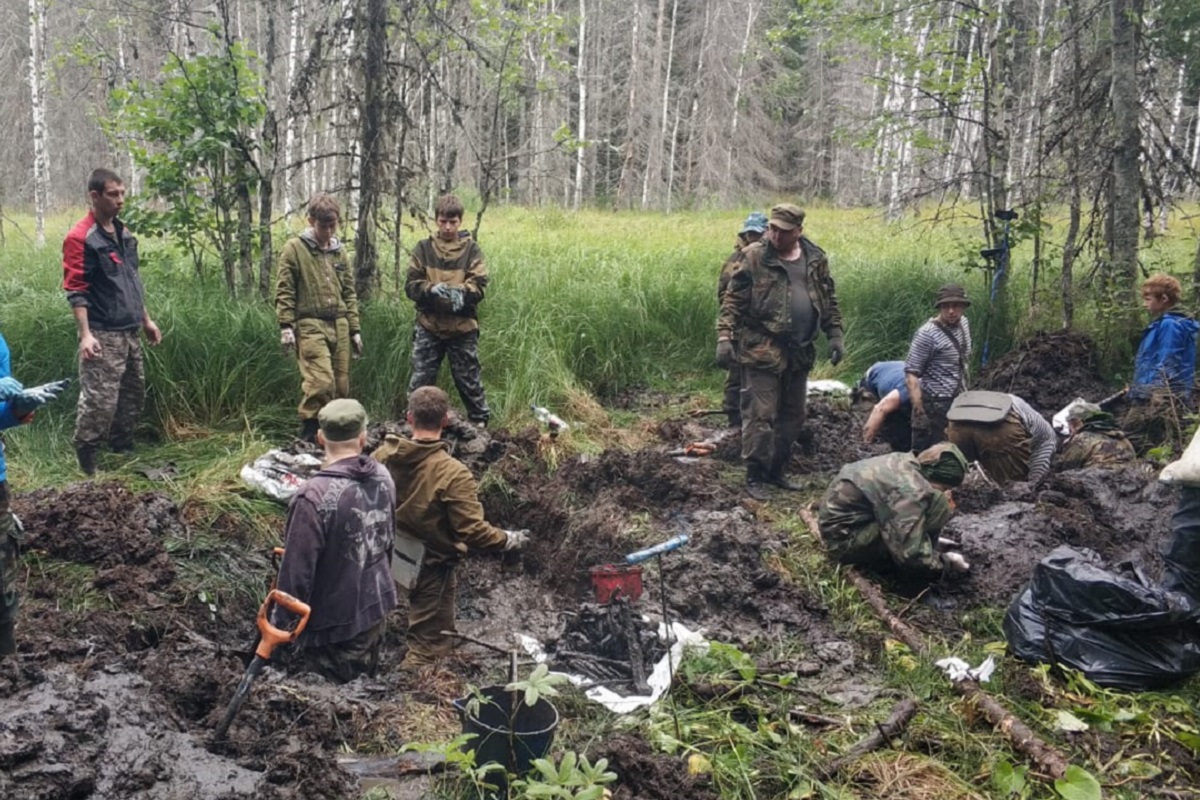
[[1046, 758], [893, 726], [820, 720]]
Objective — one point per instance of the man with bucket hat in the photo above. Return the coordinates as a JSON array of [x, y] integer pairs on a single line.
[[936, 366], [779, 296], [753, 228]]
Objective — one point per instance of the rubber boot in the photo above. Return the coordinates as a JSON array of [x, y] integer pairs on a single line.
[[122, 448], [780, 480], [308, 430], [756, 484], [87, 459]]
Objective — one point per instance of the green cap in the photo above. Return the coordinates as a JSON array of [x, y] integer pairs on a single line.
[[342, 420], [786, 216], [943, 463]]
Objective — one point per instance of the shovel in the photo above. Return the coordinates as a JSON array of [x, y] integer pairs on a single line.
[[270, 637]]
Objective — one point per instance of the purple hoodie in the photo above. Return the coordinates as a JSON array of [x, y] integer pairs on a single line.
[[338, 541]]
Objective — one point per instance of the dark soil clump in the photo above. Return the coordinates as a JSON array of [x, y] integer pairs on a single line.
[[831, 438], [1048, 371], [646, 775]]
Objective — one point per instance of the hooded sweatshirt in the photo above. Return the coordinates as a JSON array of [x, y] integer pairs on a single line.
[[1166, 357], [338, 541], [315, 283], [439, 503]]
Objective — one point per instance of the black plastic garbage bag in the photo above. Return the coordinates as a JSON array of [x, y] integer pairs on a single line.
[[1116, 630], [1181, 552]]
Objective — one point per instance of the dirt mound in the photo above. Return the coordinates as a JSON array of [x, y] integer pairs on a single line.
[[1048, 371], [645, 775], [1123, 514], [831, 438]]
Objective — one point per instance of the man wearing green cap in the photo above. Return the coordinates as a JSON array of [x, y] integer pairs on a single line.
[[887, 511], [338, 549], [753, 228], [1095, 440], [779, 296]]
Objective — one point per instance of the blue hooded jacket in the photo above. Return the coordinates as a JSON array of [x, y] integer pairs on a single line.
[[1166, 357]]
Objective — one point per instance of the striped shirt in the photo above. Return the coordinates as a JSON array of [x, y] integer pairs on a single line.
[[1043, 440], [933, 359]]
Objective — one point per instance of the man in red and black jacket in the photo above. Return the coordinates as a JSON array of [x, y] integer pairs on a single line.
[[100, 275]]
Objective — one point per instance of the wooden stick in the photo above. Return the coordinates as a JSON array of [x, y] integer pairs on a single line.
[[1046, 758], [897, 721], [809, 718]]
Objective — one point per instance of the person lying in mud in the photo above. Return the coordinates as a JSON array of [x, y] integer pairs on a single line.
[[440, 509], [1009, 439], [338, 548], [1095, 441], [886, 511], [885, 389]]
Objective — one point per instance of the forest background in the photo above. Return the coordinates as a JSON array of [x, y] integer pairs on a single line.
[[607, 151]]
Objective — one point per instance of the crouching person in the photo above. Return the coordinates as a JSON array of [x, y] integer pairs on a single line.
[[338, 541], [439, 508], [1006, 435], [1095, 441], [886, 511]]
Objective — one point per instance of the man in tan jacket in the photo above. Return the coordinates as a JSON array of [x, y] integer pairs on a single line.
[[446, 279], [317, 308], [437, 505]]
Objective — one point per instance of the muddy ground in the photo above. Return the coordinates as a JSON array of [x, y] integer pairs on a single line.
[[130, 651]]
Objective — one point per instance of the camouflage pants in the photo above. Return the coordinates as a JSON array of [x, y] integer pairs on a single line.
[[323, 354], [1155, 421], [848, 526], [112, 390], [10, 556], [935, 414], [773, 410], [431, 611], [345, 661], [1002, 448], [463, 351]]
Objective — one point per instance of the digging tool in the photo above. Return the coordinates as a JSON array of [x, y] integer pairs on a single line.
[[695, 449], [270, 637], [657, 551]]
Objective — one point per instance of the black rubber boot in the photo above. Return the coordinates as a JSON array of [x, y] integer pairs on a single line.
[[756, 484], [87, 459], [308, 430], [8, 642]]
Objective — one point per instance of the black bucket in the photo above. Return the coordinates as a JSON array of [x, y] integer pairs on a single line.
[[530, 736]]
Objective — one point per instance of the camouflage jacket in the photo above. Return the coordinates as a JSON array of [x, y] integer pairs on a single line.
[[315, 283], [756, 311], [457, 263], [1090, 448], [884, 505], [729, 265]]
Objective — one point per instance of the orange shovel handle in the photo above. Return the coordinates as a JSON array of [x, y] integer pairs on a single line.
[[272, 637]]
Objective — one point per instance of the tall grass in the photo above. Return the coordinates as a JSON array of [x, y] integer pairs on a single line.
[[591, 302]]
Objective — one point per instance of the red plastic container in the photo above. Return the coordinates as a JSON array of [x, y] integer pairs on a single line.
[[616, 580]]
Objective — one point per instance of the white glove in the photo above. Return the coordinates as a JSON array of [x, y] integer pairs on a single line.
[[946, 544], [356, 345], [516, 539], [287, 339], [955, 562]]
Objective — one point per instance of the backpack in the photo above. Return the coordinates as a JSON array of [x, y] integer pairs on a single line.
[[979, 406]]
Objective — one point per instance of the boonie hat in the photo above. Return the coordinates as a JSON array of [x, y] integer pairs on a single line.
[[786, 216], [342, 420], [951, 293], [755, 223], [1083, 410]]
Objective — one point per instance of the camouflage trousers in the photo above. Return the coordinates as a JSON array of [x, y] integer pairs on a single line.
[[1155, 421], [431, 611], [112, 391], [1002, 448], [934, 431], [428, 351], [10, 557], [773, 409], [345, 661], [323, 354]]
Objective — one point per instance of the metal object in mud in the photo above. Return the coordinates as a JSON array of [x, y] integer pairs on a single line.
[[270, 638], [674, 543]]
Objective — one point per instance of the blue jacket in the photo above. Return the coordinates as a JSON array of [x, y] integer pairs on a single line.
[[883, 377], [1166, 357], [7, 418]]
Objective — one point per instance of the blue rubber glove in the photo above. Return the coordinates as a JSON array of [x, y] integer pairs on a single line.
[[37, 396], [10, 388], [454, 295]]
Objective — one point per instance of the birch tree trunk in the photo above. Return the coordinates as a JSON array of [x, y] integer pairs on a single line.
[[289, 135], [374, 96], [625, 178], [581, 78], [37, 97], [751, 14]]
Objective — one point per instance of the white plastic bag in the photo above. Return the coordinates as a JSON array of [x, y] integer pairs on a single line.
[[278, 474], [1187, 469]]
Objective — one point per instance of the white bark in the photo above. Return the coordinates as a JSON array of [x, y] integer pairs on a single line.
[[751, 13], [289, 131], [581, 78], [37, 95]]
